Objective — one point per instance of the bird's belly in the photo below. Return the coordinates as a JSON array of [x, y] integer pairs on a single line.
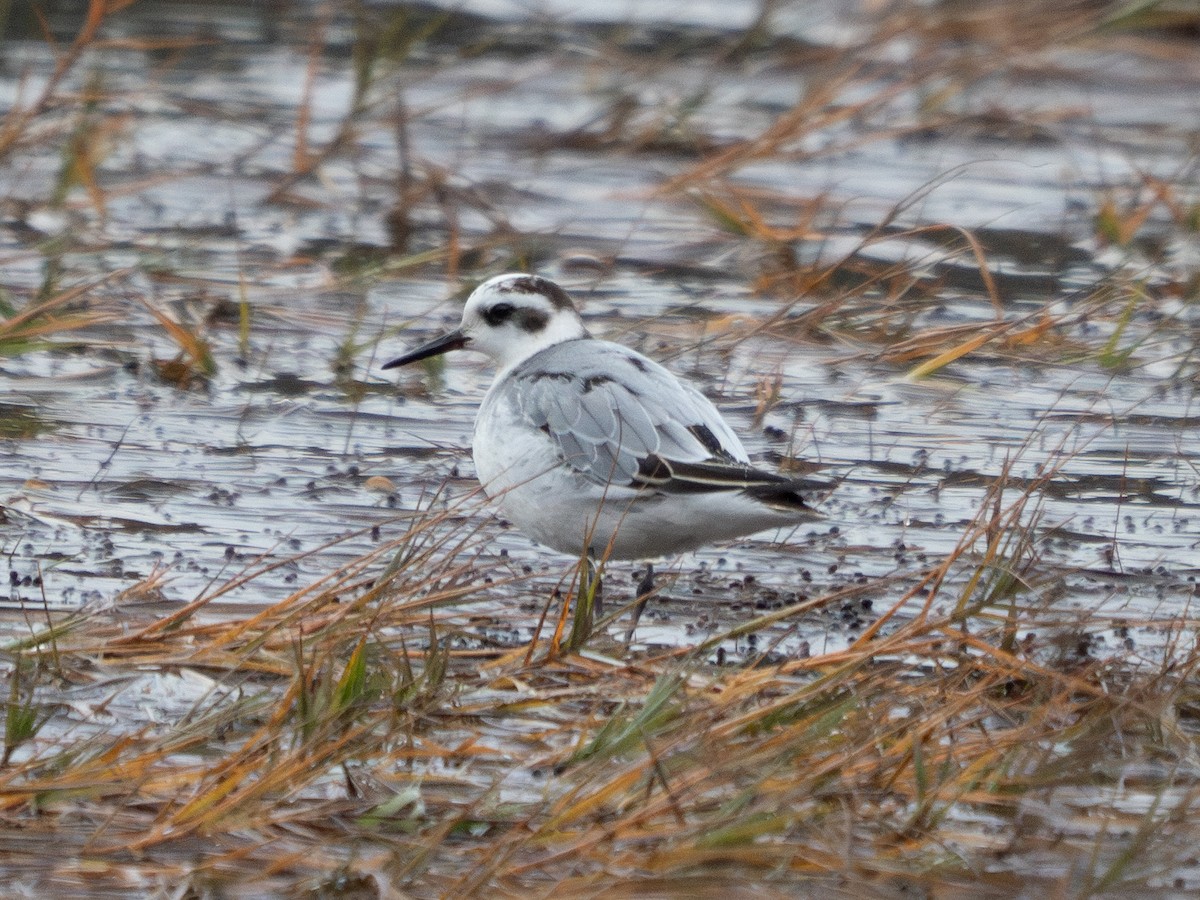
[[521, 469]]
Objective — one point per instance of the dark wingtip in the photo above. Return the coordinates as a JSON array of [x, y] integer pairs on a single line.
[[783, 496]]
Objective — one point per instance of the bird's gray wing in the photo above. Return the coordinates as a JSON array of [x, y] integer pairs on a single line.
[[620, 419]]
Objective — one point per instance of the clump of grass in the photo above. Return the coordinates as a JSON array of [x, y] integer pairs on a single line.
[[1122, 216], [194, 364], [853, 300], [23, 718], [41, 324]]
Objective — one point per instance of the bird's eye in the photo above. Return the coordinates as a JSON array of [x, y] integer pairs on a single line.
[[499, 313]]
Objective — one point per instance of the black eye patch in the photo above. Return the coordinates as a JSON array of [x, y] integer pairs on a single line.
[[532, 320], [498, 314], [525, 318]]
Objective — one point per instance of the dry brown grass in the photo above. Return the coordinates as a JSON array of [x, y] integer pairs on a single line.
[[348, 729]]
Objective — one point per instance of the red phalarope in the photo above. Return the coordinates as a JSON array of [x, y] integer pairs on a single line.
[[589, 446]]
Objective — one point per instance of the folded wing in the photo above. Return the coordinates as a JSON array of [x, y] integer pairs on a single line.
[[624, 420]]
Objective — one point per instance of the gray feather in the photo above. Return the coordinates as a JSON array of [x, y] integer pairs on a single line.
[[608, 410]]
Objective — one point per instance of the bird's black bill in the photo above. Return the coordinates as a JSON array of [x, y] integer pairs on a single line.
[[455, 340]]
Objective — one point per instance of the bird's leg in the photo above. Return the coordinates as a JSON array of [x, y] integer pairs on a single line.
[[644, 590]]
